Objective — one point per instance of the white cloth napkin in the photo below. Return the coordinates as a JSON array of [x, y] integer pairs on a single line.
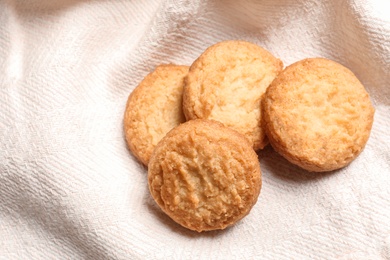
[[69, 187]]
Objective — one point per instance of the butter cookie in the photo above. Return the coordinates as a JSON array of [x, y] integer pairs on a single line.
[[226, 84], [153, 109], [317, 114], [205, 176]]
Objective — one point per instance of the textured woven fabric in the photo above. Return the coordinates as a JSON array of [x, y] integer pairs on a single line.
[[69, 187]]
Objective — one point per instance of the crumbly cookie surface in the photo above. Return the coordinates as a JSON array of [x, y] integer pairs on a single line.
[[226, 84], [153, 109], [317, 115], [204, 175]]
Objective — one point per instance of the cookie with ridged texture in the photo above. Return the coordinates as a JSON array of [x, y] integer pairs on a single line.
[[153, 109], [226, 84], [318, 115], [205, 176]]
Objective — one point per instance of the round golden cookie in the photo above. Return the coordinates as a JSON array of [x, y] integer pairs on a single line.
[[153, 109], [317, 115], [204, 175], [226, 84]]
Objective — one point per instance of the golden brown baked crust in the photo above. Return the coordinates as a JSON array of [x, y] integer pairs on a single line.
[[204, 175], [153, 109], [317, 115], [226, 84]]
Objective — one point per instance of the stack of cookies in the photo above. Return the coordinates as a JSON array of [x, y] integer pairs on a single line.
[[197, 128]]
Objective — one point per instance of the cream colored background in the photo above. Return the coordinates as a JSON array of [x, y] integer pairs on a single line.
[[70, 189]]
